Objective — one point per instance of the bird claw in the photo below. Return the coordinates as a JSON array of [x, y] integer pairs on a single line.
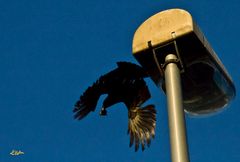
[[103, 112]]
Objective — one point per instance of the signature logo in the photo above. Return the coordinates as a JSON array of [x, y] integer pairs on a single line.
[[16, 152]]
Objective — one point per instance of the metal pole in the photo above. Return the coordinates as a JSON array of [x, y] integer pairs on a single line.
[[179, 149]]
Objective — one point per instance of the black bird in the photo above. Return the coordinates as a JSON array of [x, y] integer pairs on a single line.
[[123, 84]]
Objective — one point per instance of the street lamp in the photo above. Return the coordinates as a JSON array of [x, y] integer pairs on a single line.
[[177, 56]]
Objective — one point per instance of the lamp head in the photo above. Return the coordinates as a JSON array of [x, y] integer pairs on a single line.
[[206, 85]]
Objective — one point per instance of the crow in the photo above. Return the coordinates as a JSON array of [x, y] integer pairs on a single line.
[[124, 84]]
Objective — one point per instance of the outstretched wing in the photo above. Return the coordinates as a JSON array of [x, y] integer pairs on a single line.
[[132, 71], [141, 126], [88, 101]]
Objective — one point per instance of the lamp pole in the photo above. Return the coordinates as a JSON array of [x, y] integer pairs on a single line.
[[179, 149]]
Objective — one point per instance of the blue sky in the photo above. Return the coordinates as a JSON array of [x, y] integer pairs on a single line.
[[52, 50]]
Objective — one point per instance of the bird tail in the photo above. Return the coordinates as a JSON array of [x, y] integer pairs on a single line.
[[141, 125]]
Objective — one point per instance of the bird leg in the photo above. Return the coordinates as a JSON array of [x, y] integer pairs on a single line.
[[103, 112]]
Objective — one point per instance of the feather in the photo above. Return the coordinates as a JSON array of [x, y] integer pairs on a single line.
[[87, 101], [141, 125]]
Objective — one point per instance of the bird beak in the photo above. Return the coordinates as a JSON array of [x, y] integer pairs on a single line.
[[103, 112]]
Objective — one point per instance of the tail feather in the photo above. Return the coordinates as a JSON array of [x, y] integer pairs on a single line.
[[141, 126]]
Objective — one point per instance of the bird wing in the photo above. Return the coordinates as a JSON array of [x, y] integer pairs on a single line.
[[141, 126], [140, 92], [132, 71], [88, 100]]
